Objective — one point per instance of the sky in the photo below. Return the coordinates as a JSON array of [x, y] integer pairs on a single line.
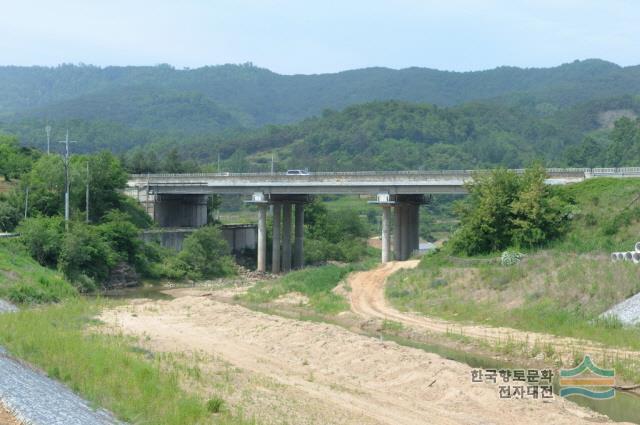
[[310, 36]]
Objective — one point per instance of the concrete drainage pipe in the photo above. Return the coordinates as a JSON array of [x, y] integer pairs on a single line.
[[620, 256], [628, 256], [635, 257], [637, 247], [614, 256]]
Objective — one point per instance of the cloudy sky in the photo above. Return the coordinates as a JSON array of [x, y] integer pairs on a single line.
[[311, 36]]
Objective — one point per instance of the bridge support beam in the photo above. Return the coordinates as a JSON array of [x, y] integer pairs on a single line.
[[262, 238], [298, 253], [275, 249], [286, 237]]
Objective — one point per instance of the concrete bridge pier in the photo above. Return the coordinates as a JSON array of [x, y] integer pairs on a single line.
[[298, 248], [180, 210], [286, 237], [275, 249], [281, 243], [262, 237], [406, 235]]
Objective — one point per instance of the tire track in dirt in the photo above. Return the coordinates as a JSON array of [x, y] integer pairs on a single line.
[[367, 299], [343, 377]]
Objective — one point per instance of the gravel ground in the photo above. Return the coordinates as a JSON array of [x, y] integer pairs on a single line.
[[628, 311], [35, 399], [7, 307]]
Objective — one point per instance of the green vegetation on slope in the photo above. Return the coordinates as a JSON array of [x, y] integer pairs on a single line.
[[561, 290], [108, 370], [23, 280]]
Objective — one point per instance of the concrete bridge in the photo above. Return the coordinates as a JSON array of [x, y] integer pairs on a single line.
[[180, 200]]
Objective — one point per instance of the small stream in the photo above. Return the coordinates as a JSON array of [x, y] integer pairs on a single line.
[[624, 407]]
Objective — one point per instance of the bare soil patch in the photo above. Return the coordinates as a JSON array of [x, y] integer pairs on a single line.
[[316, 373]]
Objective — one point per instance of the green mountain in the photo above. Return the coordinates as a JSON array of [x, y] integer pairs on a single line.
[[368, 118], [393, 135], [257, 96]]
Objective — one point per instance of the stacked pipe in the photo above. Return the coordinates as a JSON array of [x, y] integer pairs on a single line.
[[633, 256]]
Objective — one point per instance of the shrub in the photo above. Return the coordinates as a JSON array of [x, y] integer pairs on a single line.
[[215, 404], [86, 256], [507, 209], [9, 216], [205, 254], [42, 236]]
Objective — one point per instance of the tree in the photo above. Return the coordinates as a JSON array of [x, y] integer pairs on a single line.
[[205, 254], [506, 209], [42, 236], [85, 256], [173, 163], [14, 160]]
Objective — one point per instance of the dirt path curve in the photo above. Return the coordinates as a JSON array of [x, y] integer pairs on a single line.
[[328, 375], [368, 299]]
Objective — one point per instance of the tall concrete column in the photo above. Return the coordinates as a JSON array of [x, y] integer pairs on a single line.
[[262, 238], [386, 242], [397, 231], [275, 249], [286, 237], [404, 227], [416, 227], [298, 249]]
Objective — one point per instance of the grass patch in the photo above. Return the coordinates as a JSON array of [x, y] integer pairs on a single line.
[[24, 281], [102, 368], [316, 283], [546, 292]]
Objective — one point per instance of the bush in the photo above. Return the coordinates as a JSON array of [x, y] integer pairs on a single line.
[[506, 209], [9, 216], [42, 236], [205, 254], [86, 256]]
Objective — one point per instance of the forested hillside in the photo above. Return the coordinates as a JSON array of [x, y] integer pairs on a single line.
[[395, 135], [373, 118]]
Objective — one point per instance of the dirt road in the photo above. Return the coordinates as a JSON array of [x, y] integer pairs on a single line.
[[315, 373], [368, 300], [7, 418]]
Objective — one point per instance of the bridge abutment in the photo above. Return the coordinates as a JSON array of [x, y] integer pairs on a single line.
[[179, 210]]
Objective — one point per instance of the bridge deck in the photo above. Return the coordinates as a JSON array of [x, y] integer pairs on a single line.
[[365, 182]]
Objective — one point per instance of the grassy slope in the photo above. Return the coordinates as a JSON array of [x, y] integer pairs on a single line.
[[561, 289], [107, 370], [23, 280]]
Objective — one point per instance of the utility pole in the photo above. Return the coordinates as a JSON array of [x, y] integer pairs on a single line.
[[26, 201], [66, 180], [218, 162], [47, 129], [271, 162], [86, 199]]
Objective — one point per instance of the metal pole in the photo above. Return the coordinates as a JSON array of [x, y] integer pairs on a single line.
[[218, 162], [271, 162], [47, 129], [66, 179]]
